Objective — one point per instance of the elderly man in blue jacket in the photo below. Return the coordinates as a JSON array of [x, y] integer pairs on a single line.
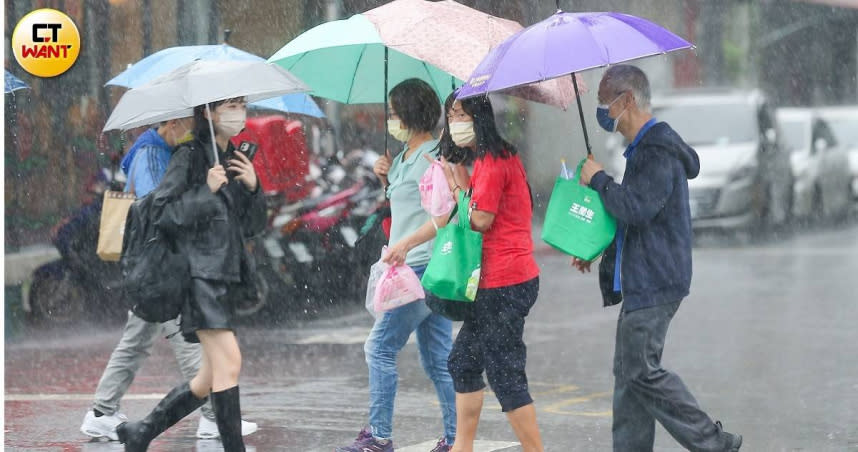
[[648, 268]]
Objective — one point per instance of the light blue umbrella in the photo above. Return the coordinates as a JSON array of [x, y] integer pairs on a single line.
[[291, 103], [166, 60], [14, 83]]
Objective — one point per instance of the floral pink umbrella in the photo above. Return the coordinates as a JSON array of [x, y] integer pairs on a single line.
[[455, 39]]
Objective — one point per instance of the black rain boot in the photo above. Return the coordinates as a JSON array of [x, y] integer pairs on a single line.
[[177, 404], [227, 410]]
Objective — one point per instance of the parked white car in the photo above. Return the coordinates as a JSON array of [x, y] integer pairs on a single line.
[[844, 123], [745, 182], [820, 166]]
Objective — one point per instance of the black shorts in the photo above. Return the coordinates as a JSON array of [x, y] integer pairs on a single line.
[[492, 340]]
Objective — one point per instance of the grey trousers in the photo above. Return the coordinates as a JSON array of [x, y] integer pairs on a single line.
[[128, 356], [645, 392]]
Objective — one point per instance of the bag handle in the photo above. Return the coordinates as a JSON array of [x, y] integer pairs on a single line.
[[577, 176], [463, 209]]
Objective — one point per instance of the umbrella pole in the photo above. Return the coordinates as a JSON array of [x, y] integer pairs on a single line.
[[386, 107], [581, 113], [211, 130]]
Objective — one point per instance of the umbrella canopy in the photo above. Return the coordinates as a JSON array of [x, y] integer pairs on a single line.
[[357, 60], [301, 104], [166, 60], [344, 60], [175, 94], [14, 83], [567, 43]]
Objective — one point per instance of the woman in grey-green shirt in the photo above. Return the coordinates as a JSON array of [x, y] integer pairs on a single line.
[[414, 113]]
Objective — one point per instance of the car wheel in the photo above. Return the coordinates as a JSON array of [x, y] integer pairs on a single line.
[[251, 304], [56, 297]]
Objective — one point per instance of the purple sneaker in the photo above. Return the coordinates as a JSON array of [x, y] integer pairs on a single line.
[[442, 446], [366, 443]]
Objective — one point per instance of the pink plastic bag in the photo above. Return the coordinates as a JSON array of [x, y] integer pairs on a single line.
[[435, 194], [376, 273], [399, 285]]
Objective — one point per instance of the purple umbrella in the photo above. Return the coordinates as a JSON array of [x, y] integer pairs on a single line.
[[566, 43]]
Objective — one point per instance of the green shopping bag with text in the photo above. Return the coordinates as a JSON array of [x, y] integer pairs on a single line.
[[453, 272], [576, 222]]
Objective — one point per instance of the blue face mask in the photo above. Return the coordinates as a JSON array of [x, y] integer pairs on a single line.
[[604, 119]]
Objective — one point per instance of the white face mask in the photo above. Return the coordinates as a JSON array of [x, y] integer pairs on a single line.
[[463, 133], [231, 122], [398, 133]]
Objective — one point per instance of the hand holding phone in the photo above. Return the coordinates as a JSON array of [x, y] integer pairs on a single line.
[[248, 149], [241, 167]]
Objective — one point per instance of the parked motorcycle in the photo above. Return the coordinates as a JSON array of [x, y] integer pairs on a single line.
[[307, 254], [79, 284]]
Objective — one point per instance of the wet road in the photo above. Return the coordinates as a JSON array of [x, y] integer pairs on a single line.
[[767, 342]]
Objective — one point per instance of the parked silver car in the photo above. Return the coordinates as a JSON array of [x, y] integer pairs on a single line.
[[745, 182], [820, 166], [844, 123]]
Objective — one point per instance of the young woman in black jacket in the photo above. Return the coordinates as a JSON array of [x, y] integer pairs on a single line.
[[209, 207]]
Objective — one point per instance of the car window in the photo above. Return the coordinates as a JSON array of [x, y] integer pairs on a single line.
[[845, 130], [794, 135], [711, 124]]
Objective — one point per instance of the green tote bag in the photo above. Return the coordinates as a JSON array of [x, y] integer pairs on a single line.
[[576, 222], [453, 272]]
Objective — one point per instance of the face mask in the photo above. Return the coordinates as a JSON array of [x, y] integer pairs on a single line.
[[398, 133], [231, 122], [605, 120], [463, 133]]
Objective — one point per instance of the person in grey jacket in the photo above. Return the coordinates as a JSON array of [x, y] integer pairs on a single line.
[[145, 164], [208, 206], [648, 268]]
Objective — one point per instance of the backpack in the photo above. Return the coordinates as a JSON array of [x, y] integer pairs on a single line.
[[156, 276]]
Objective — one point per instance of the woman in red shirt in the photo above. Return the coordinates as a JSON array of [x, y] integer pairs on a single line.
[[491, 339]]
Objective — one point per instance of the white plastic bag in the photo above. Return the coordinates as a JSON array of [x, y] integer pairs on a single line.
[[376, 272]]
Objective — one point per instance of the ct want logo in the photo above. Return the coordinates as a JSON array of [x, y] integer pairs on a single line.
[[46, 43]]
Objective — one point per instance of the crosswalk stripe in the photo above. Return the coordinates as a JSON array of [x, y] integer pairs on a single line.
[[479, 446]]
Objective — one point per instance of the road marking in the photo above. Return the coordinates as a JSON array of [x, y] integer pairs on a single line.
[[44, 397], [479, 446], [558, 407]]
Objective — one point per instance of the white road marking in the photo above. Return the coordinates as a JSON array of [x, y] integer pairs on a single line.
[[479, 446], [43, 397]]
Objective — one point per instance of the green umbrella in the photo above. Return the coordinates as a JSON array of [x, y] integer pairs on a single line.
[[347, 61]]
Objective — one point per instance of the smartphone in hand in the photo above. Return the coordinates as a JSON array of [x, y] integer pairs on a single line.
[[248, 149]]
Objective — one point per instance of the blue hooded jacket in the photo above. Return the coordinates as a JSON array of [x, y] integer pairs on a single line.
[[651, 205], [148, 158]]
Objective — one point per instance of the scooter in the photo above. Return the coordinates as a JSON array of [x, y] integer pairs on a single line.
[[79, 284]]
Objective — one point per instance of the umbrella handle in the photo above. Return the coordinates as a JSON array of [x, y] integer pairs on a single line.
[[386, 106], [581, 113], [211, 130]]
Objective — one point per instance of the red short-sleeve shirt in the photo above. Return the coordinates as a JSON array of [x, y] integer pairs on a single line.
[[500, 187]]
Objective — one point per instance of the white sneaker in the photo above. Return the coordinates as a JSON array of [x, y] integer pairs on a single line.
[[102, 426], [208, 429]]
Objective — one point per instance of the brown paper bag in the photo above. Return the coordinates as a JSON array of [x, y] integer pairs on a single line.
[[112, 226]]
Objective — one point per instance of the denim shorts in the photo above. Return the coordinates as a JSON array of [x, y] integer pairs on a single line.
[[492, 340]]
